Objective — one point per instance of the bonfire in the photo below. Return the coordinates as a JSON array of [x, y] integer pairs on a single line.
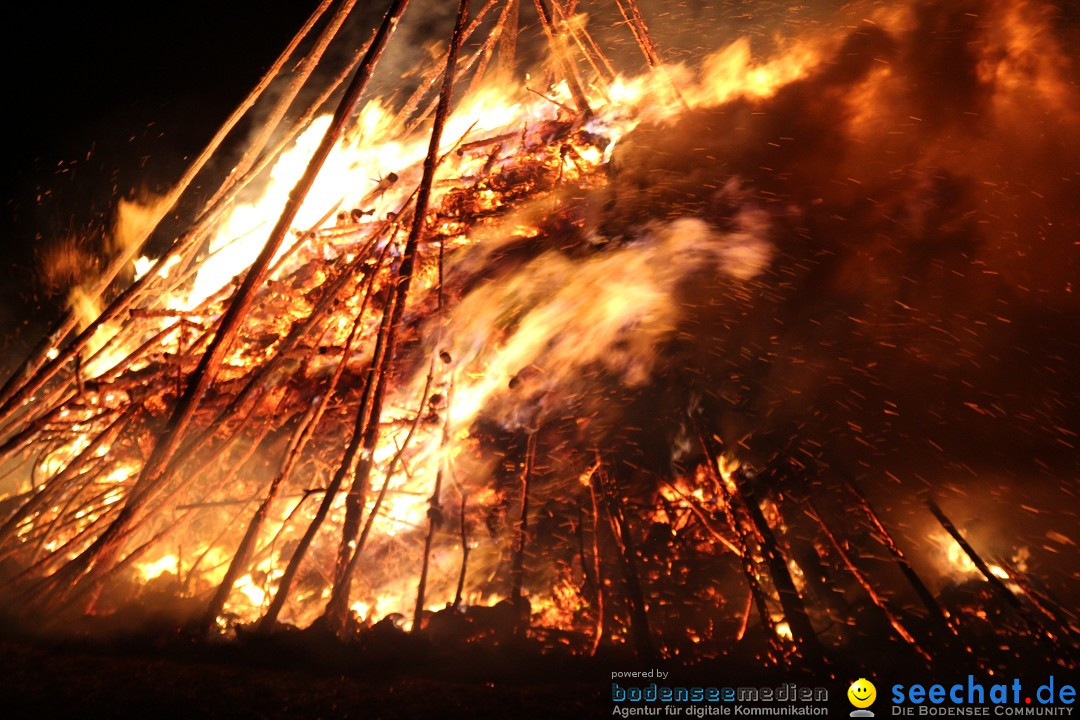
[[483, 359]]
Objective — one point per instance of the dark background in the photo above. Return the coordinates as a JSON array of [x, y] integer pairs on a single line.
[[104, 100]]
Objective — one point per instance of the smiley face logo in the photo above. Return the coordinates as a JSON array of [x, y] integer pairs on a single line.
[[862, 693]]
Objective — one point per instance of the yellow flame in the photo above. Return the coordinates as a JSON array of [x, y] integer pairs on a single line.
[[157, 568]]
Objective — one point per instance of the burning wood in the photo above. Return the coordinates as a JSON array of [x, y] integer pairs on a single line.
[[520, 281]]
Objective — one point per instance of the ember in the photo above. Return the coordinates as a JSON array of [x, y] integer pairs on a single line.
[[589, 359]]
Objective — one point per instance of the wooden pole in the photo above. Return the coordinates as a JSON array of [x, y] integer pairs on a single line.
[[521, 539], [597, 570], [399, 297], [748, 565], [435, 510], [252, 387], [200, 380], [562, 59], [374, 386], [53, 588], [636, 22], [104, 439], [393, 311], [639, 618], [1047, 639], [288, 94], [982, 567], [432, 74], [490, 45], [589, 50], [269, 620], [508, 41], [794, 609], [337, 607], [878, 599], [304, 430], [909, 573], [46, 370], [632, 15], [464, 554]]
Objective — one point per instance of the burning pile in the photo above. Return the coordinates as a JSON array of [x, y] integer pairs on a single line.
[[522, 369]]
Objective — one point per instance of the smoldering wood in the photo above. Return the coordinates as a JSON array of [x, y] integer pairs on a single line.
[[794, 610], [639, 618], [916, 582], [744, 534], [877, 598]]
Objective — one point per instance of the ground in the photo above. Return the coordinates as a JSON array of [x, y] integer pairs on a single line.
[[73, 682]]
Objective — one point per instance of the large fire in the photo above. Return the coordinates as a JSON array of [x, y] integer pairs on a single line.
[[576, 230]]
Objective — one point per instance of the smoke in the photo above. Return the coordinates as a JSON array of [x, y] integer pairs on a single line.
[[135, 221], [63, 262], [546, 330], [907, 293], [136, 218]]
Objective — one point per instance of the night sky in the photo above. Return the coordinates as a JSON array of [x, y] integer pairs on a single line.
[[108, 98]]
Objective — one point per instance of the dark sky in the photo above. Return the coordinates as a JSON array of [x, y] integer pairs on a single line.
[[104, 97]]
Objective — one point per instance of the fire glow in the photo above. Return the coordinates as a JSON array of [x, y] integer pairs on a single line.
[[412, 414]]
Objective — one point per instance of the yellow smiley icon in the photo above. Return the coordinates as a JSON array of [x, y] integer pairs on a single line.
[[862, 693]]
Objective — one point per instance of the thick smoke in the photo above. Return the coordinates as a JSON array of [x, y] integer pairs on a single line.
[[915, 190], [924, 175]]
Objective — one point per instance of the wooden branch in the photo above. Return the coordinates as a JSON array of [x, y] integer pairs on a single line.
[[107, 543], [435, 511], [588, 48], [794, 610], [909, 573], [336, 611], [521, 533], [562, 59], [302, 435], [632, 15], [506, 18], [393, 310], [304, 429], [285, 99], [976, 559], [699, 513], [639, 618], [878, 599], [432, 74], [464, 554], [743, 533], [59, 482], [368, 418], [598, 580]]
